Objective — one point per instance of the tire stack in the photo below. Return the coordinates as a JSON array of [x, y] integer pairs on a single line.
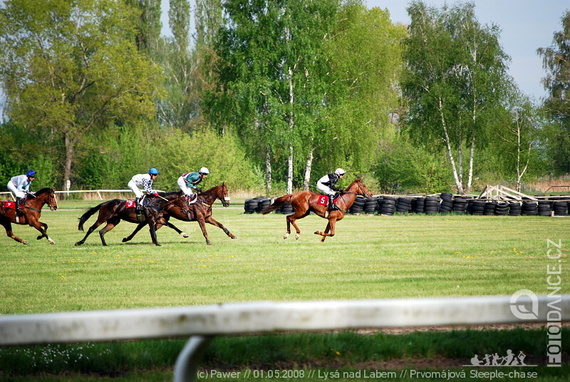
[[358, 206], [502, 209], [489, 208], [431, 205], [530, 208], [286, 209], [515, 209], [403, 205], [560, 208], [476, 207], [544, 207], [387, 205], [250, 205], [418, 205], [371, 206], [446, 204], [459, 205]]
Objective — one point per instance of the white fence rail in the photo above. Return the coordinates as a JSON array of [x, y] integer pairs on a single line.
[[98, 192], [205, 322]]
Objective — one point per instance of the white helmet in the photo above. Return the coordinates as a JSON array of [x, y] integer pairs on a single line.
[[339, 171], [204, 170]]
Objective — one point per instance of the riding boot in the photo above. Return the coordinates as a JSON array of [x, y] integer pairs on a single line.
[[138, 205], [332, 206], [19, 203]]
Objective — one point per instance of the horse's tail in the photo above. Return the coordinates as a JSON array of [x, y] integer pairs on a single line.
[[276, 203], [87, 215]]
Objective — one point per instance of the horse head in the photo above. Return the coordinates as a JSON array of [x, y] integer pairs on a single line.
[[359, 188], [47, 196], [219, 192]]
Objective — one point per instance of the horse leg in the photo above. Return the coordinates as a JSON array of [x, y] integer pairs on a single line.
[[43, 229], [97, 223], [111, 223], [216, 223], [8, 226], [137, 229], [172, 226], [330, 227], [202, 224], [152, 229]]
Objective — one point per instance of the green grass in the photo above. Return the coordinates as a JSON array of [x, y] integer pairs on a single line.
[[370, 257]]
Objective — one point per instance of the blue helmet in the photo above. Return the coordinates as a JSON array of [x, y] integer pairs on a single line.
[[31, 173], [153, 171]]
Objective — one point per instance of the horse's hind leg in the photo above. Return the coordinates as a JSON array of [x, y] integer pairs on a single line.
[[8, 226], [111, 223], [90, 231], [137, 229], [291, 219]]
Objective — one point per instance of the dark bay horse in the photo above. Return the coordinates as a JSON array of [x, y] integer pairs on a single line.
[[113, 211], [32, 209], [200, 211], [305, 202]]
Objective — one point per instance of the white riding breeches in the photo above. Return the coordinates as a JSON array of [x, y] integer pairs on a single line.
[[135, 189], [185, 189], [15, 192]]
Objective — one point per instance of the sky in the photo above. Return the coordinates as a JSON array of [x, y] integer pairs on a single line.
[[526, 25]]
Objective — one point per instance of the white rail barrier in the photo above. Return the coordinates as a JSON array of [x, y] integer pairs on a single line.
[[98, 192], [205, 322]]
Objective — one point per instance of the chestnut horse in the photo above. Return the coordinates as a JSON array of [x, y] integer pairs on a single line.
[[32, 209], [200, 211], [113, 211], [305, 202]]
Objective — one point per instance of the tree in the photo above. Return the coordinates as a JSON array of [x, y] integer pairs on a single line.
[[70, 67], [556, 60], [455, 81], [270, 75]]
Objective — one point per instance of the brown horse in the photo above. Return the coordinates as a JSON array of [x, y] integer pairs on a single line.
[[32, 209], [200, 211], [113, 211], [305, 202]]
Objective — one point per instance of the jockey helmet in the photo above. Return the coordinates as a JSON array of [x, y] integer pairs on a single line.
[[204, 170], [153, 171], [31, 173], [339, 171]]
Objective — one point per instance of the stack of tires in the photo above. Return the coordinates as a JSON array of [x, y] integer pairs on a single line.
[[387, 205], [418, 205], [459, 205], [515, 209], [431, 205], [502, 209], [446, 204], [371, 206], [256, 204], [403, 205], [530, 208], [476, 207], [489, 209], [358, 206], [560, 208], [286, 209], [544, 207]]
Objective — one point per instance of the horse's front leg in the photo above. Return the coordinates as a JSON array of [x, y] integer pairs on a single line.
[[330, 228], [216, 223], [137, 229], [152, 229], [291, 220], [8, 226], [42, 227]]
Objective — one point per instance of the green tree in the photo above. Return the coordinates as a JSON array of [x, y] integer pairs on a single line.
[[71, 67], [455, 81], [556, 60]]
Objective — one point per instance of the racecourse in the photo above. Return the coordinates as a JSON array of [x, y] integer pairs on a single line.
[[370, 257]]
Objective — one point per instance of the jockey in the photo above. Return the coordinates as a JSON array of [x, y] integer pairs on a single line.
[[19, 186], [145, 181], [189, 181], [327, 185]]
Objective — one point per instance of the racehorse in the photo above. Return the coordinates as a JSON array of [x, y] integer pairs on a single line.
[[113, 211], [200, 211], [305, 202], [32, 209]]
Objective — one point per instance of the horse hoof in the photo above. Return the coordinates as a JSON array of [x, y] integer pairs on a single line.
[[233, 237], [185, 235], [285, 236], [25, 242], [52, 242], [297, 236], [78, 244]]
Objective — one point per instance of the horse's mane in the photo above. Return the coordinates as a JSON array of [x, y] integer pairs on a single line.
[[208, 191], [44, 190]]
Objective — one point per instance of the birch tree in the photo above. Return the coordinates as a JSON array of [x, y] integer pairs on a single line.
[[455, 81]]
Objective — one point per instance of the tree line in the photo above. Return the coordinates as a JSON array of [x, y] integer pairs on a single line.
[[271, 95]]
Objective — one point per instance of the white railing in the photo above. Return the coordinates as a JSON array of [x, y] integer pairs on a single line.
[[202, 323], [98, 192]]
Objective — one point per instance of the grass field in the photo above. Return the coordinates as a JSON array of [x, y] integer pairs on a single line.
[[370, 257]]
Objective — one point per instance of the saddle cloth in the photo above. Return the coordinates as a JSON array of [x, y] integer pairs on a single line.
[[9, 204], [130, 204], [323, 200]]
